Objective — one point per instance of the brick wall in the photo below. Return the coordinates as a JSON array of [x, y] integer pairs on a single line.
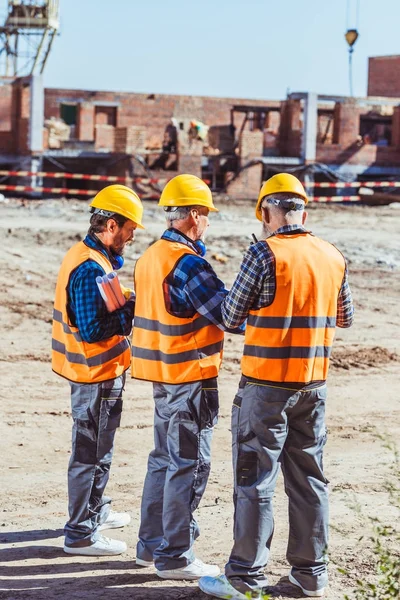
[[5, 107], [348, 123], [247, 185], [384, 76], [152, 111], [85, 122], [365, 155], [104, 138]]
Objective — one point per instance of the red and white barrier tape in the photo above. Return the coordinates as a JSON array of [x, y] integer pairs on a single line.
[[77, 192], [49, 190], [353, 184], [334, 198], [112, 178], [55, 175]]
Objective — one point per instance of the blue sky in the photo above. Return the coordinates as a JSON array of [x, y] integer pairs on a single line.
[[236, 48]]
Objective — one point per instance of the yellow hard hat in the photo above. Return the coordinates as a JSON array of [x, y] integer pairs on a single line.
[[281, 183], [187, 190], [121, 200]]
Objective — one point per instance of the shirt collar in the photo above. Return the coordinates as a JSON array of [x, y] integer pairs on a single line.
[[291, 229], [173, 235], [93, 242]]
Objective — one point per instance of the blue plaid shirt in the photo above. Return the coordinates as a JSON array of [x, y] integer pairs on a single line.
[[193, 286], [255, 286], [86, 308]]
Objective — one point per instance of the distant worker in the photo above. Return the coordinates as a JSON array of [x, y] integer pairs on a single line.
[[293, 289], [91, 350], [177, 344]]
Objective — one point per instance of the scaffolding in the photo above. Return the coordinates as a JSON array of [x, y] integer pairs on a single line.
[[27, 35]]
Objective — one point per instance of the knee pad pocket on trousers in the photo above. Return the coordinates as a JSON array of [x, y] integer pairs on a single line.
[[247, 468], [188, 443], [85, 447]]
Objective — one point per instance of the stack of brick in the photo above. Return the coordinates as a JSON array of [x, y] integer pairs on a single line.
[[104, 138], [130, 140]]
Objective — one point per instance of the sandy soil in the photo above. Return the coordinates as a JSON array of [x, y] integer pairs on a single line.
[[35, 428]]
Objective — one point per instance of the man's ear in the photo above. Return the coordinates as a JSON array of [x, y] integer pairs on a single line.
[[194, 216], [304, 217], [112, 225], [265, 214]]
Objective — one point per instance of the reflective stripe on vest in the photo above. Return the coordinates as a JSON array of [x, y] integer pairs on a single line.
[[73, 358], [290, 341], [166, 348]]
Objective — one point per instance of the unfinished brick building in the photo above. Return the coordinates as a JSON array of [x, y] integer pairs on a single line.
[[233, 143]]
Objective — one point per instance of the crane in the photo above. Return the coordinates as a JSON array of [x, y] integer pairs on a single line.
[[351, 37], [27, 35]]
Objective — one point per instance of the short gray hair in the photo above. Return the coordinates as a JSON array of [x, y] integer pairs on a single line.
[[176, 213], [285, 202]]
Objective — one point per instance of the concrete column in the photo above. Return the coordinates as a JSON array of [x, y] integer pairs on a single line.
[[36, 116], [309, 138]]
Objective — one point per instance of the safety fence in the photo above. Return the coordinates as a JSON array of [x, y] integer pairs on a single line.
[[348, 184], [148, 181], [61, 190], [60, 175]]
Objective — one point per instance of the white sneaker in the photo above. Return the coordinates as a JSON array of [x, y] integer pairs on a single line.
[[144, 563], [314, 594], [195, 570], [102, 547], [221, 588], [115, 520]]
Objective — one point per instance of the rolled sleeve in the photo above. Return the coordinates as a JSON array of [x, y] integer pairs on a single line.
[[88, 311], [206, 292], [345, 307], [245, 290]]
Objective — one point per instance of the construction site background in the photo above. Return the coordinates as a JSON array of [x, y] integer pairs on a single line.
[[234, 143]]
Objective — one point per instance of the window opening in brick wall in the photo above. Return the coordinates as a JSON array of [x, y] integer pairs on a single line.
[[106, 115], [68, 113], [325, 126], [376, 129]]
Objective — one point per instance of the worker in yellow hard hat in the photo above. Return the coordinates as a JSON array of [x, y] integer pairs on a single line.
[[90, 349], [177, 344], [293, 291]]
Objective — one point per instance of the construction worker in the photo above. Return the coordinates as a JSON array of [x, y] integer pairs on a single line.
[[177, 344], [91, 350], [293, 289]]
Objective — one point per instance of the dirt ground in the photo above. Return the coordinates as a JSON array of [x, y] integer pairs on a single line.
[[36, 423]]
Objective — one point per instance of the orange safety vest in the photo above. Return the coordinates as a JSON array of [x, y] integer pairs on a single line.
[[290, 341], [73, 358], [166, 348]]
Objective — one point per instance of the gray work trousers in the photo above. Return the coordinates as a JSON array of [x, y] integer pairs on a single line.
[[177, 472], [96, 411], [270, 427]]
